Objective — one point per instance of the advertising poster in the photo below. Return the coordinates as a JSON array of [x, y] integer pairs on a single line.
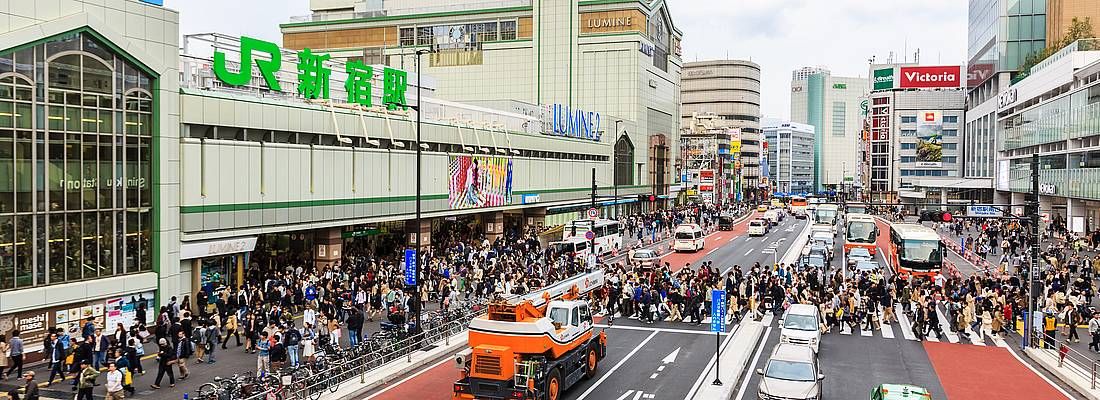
[[735, 140], [706, 176], [477, 182], [884, 79], [929, 139]]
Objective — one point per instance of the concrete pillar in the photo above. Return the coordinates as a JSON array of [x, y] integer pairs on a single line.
[[328, 246], [494, 225], [425, 233], [196, 276], [943, 198]]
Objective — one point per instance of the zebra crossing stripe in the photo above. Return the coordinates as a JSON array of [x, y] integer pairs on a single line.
[[975, 337], [906, 328], [865, 332], [946, 326], [886, 330]]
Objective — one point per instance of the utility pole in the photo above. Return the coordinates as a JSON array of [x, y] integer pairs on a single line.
[[1033, 273]]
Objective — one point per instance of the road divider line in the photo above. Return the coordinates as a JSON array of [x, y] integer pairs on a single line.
[[748, 252], [617, 366], [706, 370], [752, 366], [625, 395], [659, 330], [410, 377]]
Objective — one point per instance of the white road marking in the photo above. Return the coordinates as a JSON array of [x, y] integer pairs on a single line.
[[1036, 372], [615, 368], [951, 336], [661, 368], [865, 332], [903, 320], [975, 337], [886, 330], [752, 367], [670, 358], [750, 251], [713, 250], [625, 395], [638, 395], [655, 330], [706, 370], [400, 382], [654, 376]]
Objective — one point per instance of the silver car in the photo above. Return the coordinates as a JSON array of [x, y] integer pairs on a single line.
[[792, 372], [858, 254], [645, 257]]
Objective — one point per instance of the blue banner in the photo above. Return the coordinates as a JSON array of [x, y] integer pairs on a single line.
[[410, 267], [717, 310]]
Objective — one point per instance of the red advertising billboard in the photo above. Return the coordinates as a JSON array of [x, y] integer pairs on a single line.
[[706, 175], [945, 76]]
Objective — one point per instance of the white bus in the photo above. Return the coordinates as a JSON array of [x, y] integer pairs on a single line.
[[608, 233], [825, 215]]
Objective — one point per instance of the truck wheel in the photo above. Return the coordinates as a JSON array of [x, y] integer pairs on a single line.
[[591, 361], [553, 385]]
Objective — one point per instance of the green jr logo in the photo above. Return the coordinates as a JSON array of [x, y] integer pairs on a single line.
[[267, 67]]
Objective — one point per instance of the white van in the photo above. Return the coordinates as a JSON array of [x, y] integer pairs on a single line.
[[575, 246], [689, 237], [772, 216], [800, 326], [758, 227]]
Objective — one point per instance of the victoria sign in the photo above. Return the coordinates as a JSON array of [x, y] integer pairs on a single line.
[[930, 77]]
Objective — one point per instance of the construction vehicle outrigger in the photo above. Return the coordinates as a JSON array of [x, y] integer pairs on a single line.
[[533, 347]]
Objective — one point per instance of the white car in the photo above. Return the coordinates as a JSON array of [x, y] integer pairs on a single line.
[[758, 227], [772, 216], [800, 326], [689, 237]]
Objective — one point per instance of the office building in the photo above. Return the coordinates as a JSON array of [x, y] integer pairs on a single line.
[[727, 94], [790, 156], [831, 104]]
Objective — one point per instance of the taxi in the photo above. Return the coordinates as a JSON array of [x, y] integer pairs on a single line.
[[762, 207], [890, 391]]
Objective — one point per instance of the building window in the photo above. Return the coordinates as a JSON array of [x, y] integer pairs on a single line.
[[908, 159], [950, 146], [908, 119], [839, 114], [507, 30], [908, 146], [951, 132], [950, 159], [86, 158], [950, 119], [408, 36]]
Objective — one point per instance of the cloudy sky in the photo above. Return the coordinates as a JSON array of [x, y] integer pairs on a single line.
[[780, 35]]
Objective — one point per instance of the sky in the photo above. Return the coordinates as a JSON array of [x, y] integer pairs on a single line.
[[779, 35]]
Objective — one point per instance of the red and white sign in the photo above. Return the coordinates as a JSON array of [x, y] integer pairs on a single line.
[[706, 175], [949, 76], [706, 188], [593, 213]]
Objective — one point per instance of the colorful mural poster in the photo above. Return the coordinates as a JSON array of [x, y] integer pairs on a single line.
[[477, 182]]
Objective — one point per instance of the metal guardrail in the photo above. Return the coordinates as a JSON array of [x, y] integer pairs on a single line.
[[304, 383], [1077, 363]]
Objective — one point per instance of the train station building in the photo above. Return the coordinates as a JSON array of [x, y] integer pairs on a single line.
[[138, 167]]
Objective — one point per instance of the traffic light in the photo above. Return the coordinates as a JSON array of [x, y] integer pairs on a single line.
[[935, 216]]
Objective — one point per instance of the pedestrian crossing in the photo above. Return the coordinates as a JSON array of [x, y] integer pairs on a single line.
[[903, 327]]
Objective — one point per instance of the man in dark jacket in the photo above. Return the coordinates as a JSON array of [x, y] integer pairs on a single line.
[[355, 326]]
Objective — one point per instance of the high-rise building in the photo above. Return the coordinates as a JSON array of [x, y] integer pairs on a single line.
[[621, 59], [1000, 36], [790, 155], [727, 94], [913, 145], [831, 104]]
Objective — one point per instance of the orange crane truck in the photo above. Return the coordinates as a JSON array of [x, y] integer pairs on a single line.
[[533, 347]]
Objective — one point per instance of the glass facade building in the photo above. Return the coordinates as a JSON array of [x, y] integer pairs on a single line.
[[76, 132]]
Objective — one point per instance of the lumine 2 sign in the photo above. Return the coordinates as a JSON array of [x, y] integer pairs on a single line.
[[313, 75]]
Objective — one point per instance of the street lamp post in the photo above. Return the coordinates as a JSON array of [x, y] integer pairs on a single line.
[[416, 286], [615, 165]]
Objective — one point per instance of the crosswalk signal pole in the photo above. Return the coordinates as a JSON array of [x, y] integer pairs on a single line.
[[1033, 274]]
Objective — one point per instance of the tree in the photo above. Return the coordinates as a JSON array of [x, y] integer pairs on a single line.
[[1078, 29]]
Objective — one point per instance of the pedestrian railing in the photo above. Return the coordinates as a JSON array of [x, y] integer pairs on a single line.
[[336, 365], [1069, 360]]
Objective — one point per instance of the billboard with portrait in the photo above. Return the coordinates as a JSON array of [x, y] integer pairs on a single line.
[[477, 181], [929, 138]]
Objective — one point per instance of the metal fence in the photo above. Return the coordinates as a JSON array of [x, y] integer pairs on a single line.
[[339, 365], [1069, 360]]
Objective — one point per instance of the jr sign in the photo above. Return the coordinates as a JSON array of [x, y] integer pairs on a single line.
[[313, 72]]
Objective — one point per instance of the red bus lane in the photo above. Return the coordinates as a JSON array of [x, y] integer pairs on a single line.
[[715, 240], [979, 372], [432, 383]]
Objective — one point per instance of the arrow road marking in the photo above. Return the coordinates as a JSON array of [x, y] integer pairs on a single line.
[[671, 357], [616, 368]]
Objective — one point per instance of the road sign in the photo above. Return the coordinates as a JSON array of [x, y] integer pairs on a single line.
[[717, 310], [410, 267], [593, 213], [590, 235]]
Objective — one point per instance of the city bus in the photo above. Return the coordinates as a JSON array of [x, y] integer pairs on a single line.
[[826, 215], [915, 250], [860, 231], [798, 206], [855, 207], [608, 233]]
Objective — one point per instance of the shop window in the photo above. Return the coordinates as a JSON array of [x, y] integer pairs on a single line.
[[507, 30]]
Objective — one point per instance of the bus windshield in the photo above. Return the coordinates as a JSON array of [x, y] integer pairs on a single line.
[[922, 251], [825, 216], [861, 232]]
